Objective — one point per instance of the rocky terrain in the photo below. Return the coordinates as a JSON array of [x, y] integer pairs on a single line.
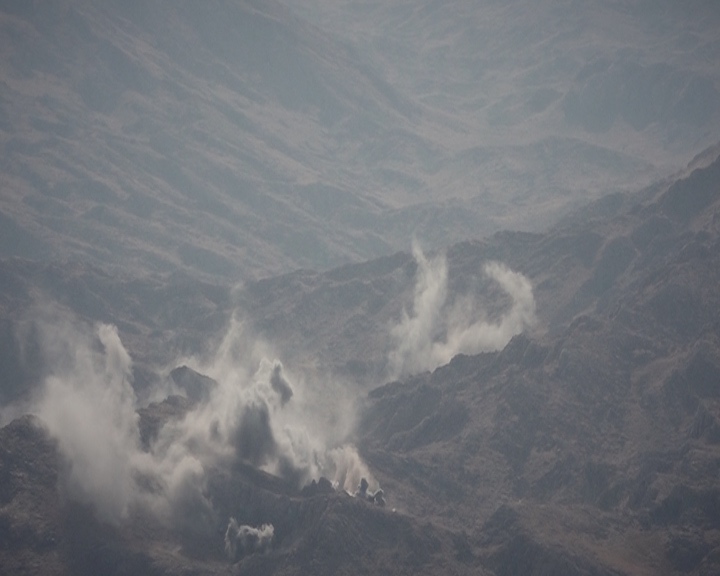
[[245, 139], [586, 445], [593, 436], [217, 355]]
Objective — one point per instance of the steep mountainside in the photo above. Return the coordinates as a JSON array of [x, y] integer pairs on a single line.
[[241, 139], [593, 437], [587, 445], [156, 136], [600, 436], [215, 359]]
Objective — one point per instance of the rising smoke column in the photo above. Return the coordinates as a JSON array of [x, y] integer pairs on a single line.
[[88, 404], [292, 425], [435, 332], [415, 333]]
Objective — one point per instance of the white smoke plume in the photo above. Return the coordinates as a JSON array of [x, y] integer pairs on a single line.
[[246, 539], [258, 412], [292, 425], [88, 404], [435, 331]]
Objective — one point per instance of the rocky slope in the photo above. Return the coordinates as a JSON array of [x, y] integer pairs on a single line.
[[596, 433], [555, 412], [600, 435], [246, 139], [587, 445]]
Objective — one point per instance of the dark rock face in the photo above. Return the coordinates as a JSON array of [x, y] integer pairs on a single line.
[[253, 439], [156, 415], [689, 197], [197, 387], [30, 509]]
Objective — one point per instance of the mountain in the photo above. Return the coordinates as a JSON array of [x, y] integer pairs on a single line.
[[605, 425], [151, 136], [572, 266], [217, 357], [588, 444], [610, 69], [241, 140]]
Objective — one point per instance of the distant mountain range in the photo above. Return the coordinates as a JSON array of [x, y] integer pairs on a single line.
[[245, 139]]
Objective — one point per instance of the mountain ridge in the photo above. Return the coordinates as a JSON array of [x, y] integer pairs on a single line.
[[158, 136], [214, 358], [588, 444]]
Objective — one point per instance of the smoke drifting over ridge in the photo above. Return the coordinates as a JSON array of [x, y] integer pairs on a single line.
[[257, 412], [436, 331], [248, 407]]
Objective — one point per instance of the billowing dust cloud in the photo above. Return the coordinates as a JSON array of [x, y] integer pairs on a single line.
[[243, 539], [88, 404], [437, 331], [293, 425], [251, 407]]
